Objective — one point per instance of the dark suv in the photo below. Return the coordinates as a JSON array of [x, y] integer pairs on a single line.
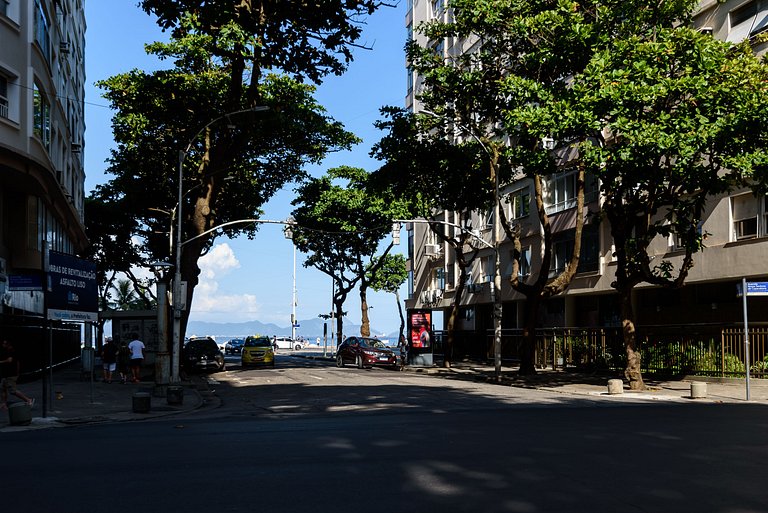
[[202, 353], [234, 346]]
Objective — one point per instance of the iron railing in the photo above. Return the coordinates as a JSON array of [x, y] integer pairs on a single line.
[[702, 350]]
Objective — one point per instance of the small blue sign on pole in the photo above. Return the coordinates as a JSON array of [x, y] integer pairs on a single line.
[[757, 288]]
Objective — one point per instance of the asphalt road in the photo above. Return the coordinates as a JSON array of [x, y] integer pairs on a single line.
[[309, 437]]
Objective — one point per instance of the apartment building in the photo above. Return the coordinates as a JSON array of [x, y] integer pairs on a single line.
[[42, 127], [736, 244]]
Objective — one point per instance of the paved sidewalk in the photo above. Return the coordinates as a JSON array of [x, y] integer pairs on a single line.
[[717, 390], [78, 400]]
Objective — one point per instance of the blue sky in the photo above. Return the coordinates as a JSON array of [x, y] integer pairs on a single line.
[[243, 279]]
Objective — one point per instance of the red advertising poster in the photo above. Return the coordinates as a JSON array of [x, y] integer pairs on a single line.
[[421, 326]]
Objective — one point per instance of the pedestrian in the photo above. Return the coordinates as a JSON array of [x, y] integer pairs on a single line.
[[109, 359], [123, 362], [402, 344], [10, 368], [274, 343], [136, 347]]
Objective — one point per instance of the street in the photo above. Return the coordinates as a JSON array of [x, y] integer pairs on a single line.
[[307, 436]]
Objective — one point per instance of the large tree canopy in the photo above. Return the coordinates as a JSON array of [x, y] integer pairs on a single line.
[[205, 115], [673, 120]]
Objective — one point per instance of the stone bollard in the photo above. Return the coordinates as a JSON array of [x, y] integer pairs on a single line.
[[19, 414], [142, 402], [175, 395], [615, 386], [698, 390]]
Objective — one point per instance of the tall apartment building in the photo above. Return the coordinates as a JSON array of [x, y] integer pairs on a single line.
[[42, 127], [736, 224]]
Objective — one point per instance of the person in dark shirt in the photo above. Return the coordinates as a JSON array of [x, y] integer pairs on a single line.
[[9, 372], [109, 359]]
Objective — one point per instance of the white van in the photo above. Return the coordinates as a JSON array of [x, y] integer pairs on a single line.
[[287, 343]]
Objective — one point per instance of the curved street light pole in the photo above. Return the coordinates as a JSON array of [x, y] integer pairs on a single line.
[[179, 299]]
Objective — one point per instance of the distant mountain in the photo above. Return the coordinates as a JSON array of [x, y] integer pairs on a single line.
[[309, 329]]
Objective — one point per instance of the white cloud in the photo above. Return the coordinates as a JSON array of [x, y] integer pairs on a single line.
[[219, 260], [211, 304]]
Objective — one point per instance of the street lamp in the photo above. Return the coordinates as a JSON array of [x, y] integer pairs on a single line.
[[179, 304], [288, 231]]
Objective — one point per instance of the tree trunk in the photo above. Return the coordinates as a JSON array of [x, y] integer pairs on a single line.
[[528, 353], [402, 317], [450, 332], [339, 322], [365, 329], [632, 371]]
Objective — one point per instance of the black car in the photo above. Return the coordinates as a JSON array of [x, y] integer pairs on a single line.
[[202, 354], [234, 346]]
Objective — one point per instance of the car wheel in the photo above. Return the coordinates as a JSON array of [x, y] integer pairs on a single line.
[[339, 361], [359, 362], [297, 347]]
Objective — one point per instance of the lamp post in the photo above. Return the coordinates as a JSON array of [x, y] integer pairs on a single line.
[[288, 231], [179, 291]]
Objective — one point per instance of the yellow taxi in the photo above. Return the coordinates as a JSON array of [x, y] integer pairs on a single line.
[[257, 351]]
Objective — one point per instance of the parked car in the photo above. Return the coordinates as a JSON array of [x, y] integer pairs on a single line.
[[257, 351], [288, 343], [365, 352], [202, 353], [234, 346]]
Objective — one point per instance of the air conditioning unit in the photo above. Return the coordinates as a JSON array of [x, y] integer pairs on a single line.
[[76, 148], [438, 294], [64, 47], [707, 30], [432, 249]]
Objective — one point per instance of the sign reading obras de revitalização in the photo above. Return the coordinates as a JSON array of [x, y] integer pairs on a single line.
[[72, 288]]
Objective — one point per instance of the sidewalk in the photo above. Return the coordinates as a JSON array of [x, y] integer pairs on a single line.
[[717, 390], [77, 400]]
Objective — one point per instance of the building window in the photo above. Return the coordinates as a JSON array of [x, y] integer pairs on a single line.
[[42, 33], [747, 20], [42, 118], [438, 278], [562, 251], [750, 216], [525, 262], [519, 203], [3, 94], [560, 191], [4, 7], [437, 7]]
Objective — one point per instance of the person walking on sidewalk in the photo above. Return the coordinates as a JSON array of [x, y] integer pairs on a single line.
[[109, 359], [136, 347], [123, 362], [10, 367]]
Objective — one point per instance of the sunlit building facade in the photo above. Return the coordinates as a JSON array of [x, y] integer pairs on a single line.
[[736, 225]]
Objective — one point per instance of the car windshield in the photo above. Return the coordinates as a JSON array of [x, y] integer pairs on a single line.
[[258, 342], [372, 342], [202, 344]]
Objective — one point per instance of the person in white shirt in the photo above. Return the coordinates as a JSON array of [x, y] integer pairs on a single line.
[[136, 347]]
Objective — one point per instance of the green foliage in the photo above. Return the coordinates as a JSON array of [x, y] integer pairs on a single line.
[[227, 59], [390, 275]]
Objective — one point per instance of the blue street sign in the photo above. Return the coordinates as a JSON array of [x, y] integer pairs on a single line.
[[757, 288]]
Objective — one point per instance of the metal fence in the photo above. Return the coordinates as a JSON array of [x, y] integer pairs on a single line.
[[703, 350]]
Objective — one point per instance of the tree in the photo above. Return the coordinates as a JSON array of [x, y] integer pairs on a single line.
[[341, 226], [227, 58], [683, 122], [389, 277], [421, 168], [509, 89]]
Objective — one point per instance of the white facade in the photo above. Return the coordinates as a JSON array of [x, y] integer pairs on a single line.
[[42, 127], [736, 226]]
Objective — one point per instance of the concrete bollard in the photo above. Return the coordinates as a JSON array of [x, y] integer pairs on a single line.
[[175, 395], [19, 414], [698, 390], [615, 386], [142, 402]]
